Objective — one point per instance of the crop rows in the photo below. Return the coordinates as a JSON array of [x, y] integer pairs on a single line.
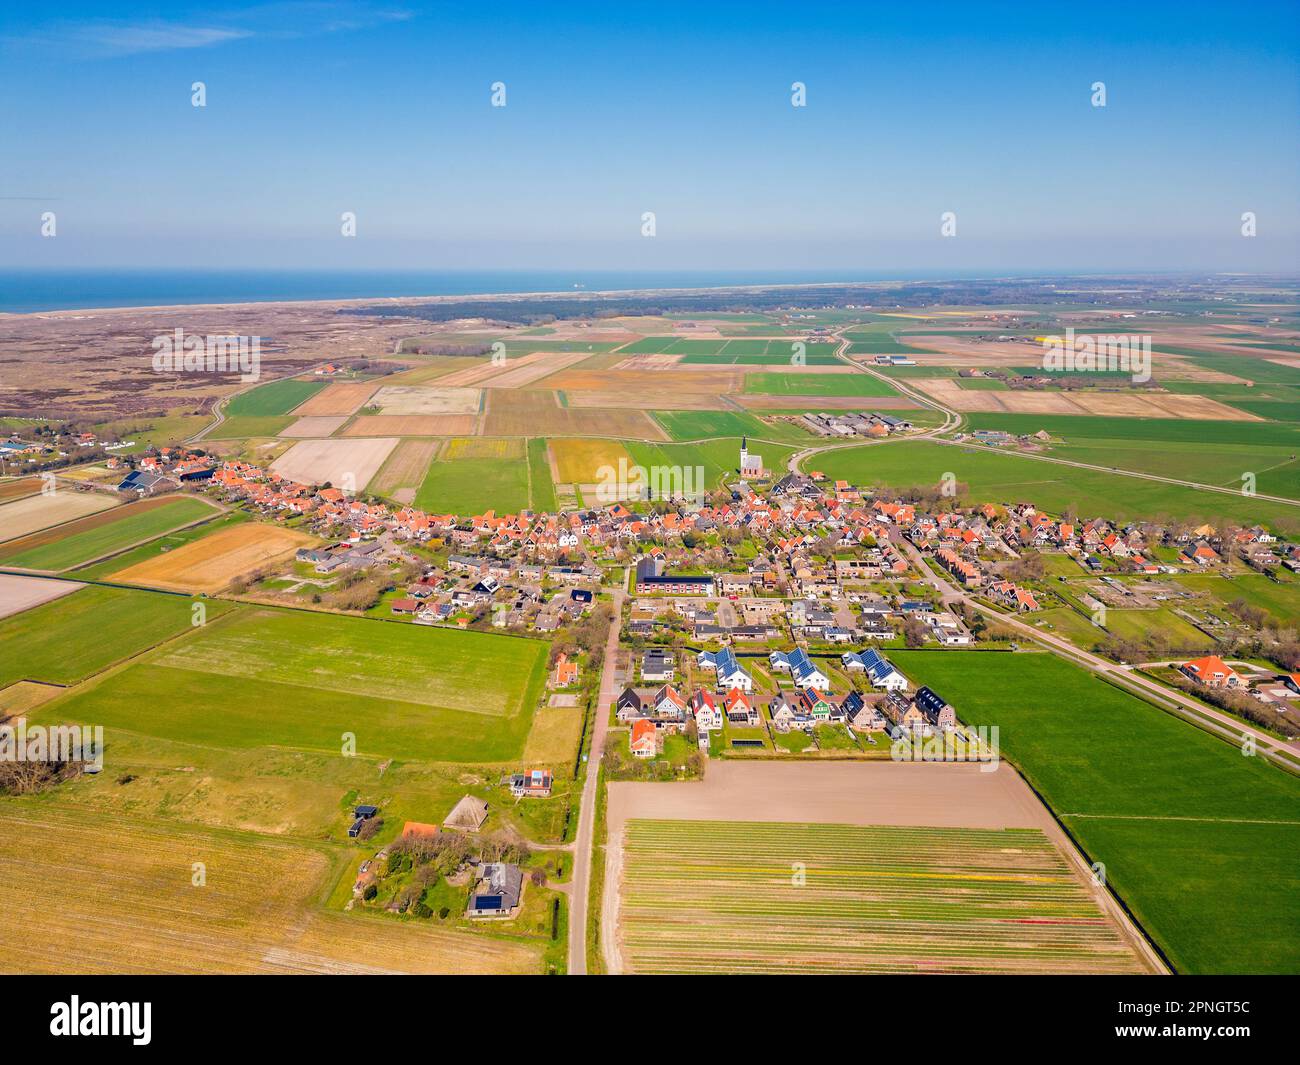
[[704, 896]]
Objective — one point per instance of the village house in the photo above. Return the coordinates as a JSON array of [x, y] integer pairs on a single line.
[[740, 708], [938, 713], [800, 668], [729, 671], [704, 706], [644, 741], [1212, 671], [566, 671], [497, 892], [535, 784], [879, 670]]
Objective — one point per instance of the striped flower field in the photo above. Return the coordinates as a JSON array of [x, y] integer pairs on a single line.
[[707, 896]]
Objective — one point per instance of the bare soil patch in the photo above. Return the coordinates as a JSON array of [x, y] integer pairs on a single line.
[[22, 593], [411, 425], [35, 512], [342, 463], [309, 428], [210, 564], [342, 397]]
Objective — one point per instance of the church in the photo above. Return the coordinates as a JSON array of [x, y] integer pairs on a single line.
[[751, 466]]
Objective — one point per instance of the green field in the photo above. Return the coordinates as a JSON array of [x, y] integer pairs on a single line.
[[1002, 477], [817, 384], [539, 475], [472, 486], [71, 638], [718, 457], [129, 525], [1209, 452], [710, 424], [1201, 843], [246, 426], [817, 353], [294, 679], [720, 897], [276, 397]]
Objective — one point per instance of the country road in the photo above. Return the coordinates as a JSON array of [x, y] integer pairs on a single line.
[[584, 842]]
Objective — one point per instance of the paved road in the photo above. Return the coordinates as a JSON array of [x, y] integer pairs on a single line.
[[1212, 720], [951, 419], [581, 887]]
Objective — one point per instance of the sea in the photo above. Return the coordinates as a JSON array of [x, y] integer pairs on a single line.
[[27, 291]]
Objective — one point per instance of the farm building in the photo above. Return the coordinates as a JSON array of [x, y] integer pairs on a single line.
[[467, 815]]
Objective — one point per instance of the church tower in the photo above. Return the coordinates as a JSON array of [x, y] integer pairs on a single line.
[[744, 452]]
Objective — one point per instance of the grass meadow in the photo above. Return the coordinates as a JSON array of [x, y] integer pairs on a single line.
[[295, 679], [69, 639], [275, 397], [1008, 478]]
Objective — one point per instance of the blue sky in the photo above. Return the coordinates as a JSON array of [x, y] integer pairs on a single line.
[[612, 110]]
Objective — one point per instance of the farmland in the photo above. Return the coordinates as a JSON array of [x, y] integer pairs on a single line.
[[275, 397], [404, 470], [399, 689], [103, 534], [819, 384], [116, 896], [19, 487], [22, 593], [1151, 797], [474, 485], [1000, 477], [343, 463], [580, 461], [540, 485], [210, 564], [721, 897], [73, 637], [43, 511], [709, 425], [336, 399]]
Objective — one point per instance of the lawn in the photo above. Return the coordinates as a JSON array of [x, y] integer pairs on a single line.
[[1202, 844], [752, 897], [105, 534], [1003, 477], [71, 638], [276, 397], [402, 690]]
